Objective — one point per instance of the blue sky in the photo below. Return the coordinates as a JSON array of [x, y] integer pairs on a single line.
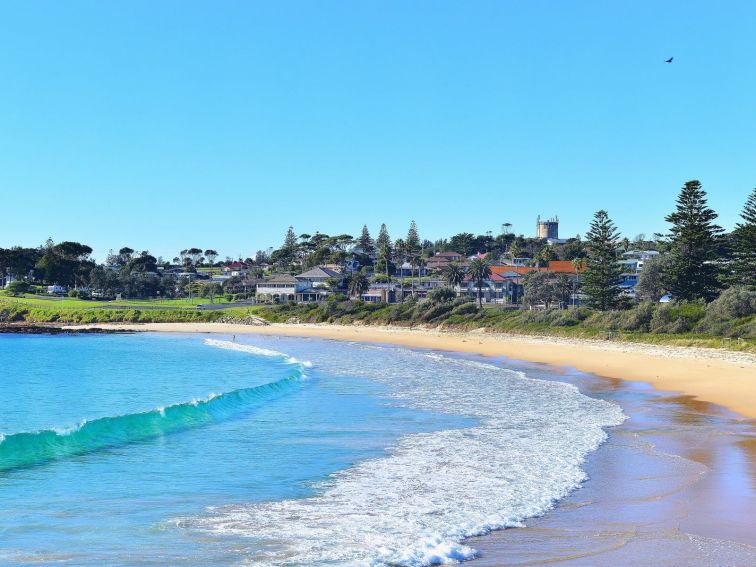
[[166, 125]]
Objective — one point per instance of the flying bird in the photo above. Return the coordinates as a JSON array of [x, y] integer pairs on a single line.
[[669, 60]]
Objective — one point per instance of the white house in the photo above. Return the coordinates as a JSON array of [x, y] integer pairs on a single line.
[[319, 276]]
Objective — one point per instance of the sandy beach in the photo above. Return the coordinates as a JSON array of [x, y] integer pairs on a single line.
[[721, 377], [676, 481]]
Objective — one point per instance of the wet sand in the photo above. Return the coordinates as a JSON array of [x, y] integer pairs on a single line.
[[674, 485]]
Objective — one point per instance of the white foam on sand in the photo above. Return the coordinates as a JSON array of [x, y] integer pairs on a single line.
[[416, 505]]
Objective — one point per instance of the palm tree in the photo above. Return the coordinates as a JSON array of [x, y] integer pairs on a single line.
[[480, 270], [358, 284], [454, 274]]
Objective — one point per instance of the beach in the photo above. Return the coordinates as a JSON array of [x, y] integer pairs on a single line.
[[721, 377], [676, 480]]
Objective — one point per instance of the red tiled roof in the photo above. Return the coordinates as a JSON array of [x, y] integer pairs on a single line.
[[564, 267], [521, 270]]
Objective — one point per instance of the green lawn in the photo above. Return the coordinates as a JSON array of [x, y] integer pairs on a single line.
[[74, 303]]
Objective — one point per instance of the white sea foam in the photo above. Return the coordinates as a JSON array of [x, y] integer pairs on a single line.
[[229, 345], [416, 505]]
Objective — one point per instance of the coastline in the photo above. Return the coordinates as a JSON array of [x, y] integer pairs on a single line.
[[679, 475], [724, 378]]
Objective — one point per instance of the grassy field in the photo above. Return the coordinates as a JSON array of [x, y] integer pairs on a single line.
[[51, 302]]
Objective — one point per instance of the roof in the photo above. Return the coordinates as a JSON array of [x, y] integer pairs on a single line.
[[519, 270], [564, 266], [448, 255], [281, 278], [319, 272]]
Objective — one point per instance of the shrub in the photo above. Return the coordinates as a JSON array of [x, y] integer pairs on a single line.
[[18, 288], [442, 295], [733, 303], [465, 308]]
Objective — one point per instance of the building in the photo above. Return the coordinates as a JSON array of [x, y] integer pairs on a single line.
[[235, 269], [407, 270], [548, 229], [438, 262], [379, 294], [319, 276], [280, 287], [504, 289], [632, 263], [285, 287]]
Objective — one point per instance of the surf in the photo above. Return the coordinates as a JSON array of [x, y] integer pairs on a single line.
[[25, 449]]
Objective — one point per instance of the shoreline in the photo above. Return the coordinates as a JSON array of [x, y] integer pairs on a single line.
[[724, 378]]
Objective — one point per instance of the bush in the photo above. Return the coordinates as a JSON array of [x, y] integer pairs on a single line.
[[733, 303], [442, 295], [18, 288], [465, 308]]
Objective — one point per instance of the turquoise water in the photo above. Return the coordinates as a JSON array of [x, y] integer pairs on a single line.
[[190, 450]]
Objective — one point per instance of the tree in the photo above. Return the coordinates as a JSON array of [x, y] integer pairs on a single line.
[[541, 288], [195, 254], [18, 287], [744, 245], [544, 256], [463, 243], [453, 274], [365, 243], [211, 256], [358, 284], [66, 263], [691, 273], [650, 285], [384, 248], [412, 250], [480, 270], [400, 251], [603, 276]]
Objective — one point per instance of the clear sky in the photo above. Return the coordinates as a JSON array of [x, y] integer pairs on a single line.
[[171, 124]]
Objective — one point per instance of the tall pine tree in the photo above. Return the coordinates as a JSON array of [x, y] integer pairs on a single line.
[[744, 245], [691, 272], [602, 278], [384, 247], [365, 242]]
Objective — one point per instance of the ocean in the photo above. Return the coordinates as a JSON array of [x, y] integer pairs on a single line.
[[150, 449]]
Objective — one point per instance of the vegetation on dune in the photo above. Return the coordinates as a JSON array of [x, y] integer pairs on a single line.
[[731, 316]]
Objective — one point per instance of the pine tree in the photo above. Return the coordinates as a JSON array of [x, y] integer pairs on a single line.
[[412, 242], [744, 245], [412, 250], [288, 251], [384, 246], [691, 273], [602, 278], [290, 240], [365, 242]]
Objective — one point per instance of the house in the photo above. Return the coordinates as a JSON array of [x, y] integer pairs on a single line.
[[56, 289], [441, 260], [407, 270], [379, 294], [281, 287], [498, 288], [319, 276], [235, 269]]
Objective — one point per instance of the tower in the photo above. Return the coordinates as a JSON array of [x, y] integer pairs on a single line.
[[547, 228]]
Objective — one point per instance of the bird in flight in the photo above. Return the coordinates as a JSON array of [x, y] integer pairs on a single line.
[[669, 60]]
